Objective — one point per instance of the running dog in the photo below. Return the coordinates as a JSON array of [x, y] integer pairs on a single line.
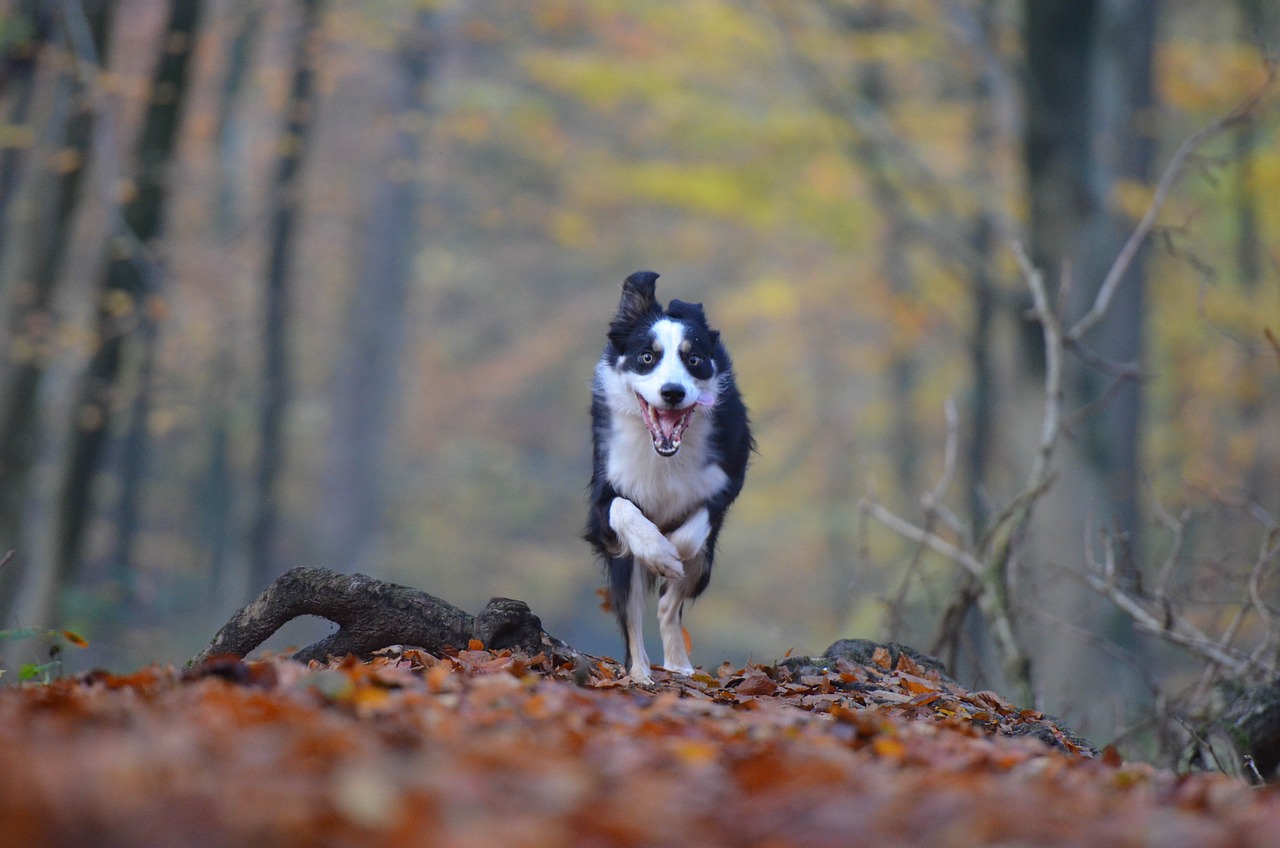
[[671, 441]]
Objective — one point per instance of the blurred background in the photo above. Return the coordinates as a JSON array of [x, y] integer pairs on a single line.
[[323, 283]]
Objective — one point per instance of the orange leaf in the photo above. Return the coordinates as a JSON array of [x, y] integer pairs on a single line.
[[688, 643], [475, 645], [887, 746], [880, 657], [75, 639]]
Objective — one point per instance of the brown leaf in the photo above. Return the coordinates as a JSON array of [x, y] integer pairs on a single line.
[[756, 683]]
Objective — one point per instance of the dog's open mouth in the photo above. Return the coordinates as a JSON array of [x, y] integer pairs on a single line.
[[667, 426]]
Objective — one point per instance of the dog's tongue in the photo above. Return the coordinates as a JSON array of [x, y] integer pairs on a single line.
[[666, 426]]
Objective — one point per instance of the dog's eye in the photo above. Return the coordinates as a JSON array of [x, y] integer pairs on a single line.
[[694, 360], [646, 358]]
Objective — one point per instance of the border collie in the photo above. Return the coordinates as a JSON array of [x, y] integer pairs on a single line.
[[671, 443]]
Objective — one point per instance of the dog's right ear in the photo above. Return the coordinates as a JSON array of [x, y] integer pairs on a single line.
[[638, 302]]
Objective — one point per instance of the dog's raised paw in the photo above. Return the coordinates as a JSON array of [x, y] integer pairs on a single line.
[[668, 568]]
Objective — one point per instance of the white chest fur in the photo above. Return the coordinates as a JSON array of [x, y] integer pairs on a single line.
[[666, 489]]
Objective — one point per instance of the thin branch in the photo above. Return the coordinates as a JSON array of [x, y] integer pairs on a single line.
[[1168, 625], [1172, 172], [1050, 424], [932, 501], [1271, 338], [1177, 526], [921, 536]]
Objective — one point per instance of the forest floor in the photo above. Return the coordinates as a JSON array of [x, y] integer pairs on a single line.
[[487, 748]]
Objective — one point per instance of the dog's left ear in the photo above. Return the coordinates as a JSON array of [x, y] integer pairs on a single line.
[[639, 301]]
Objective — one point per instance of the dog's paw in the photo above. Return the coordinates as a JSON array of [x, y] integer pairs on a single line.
[[668, 566], [640, 677], [686, 670], [644, 541], [656, 553]]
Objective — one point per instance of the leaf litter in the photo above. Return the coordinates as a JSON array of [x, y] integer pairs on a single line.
[[483, 748]]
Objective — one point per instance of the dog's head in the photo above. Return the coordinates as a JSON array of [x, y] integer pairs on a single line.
[[663, 365]]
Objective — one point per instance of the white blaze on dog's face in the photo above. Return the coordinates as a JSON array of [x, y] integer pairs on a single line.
[[665, 371]]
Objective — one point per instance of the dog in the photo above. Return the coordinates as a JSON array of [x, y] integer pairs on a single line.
[[671, 441]]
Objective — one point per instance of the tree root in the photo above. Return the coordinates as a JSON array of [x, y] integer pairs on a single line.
[[373, 614]]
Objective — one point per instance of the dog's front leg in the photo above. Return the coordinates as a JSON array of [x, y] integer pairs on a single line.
[[691, 537], [641, 539], [639, 657]]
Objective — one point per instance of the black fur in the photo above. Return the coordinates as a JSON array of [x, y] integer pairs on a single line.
[[727, 429]]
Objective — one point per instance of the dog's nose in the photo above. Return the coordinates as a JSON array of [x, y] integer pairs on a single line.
[[672, 393]]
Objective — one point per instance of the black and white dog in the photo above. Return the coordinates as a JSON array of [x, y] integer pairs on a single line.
[[671, 444]]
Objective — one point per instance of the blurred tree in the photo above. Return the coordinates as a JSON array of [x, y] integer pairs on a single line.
[[56, 165], [368, 374], [125, 317], [1089, 134], [300, 110], [23, 30]]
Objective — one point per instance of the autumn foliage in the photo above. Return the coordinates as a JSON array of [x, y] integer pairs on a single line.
[[489, 748]]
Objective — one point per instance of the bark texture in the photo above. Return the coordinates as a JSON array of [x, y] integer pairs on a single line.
[[373, 614]]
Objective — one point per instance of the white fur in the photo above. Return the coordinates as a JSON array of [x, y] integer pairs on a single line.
[[641, 538], [668, 335], [657, 491], [690, 537], [639, 670], [674, 655], [665, 488]]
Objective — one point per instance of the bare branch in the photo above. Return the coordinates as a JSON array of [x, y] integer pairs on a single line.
[[1177, 526], [1050, 425], [1165, 623], [932, 501], [928, 538], [1172, 172]]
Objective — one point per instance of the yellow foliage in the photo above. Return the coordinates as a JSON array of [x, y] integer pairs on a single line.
[[1132, 198], [1193, 75]]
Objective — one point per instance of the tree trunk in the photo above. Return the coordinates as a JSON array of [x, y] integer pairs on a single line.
[[363, 404], [300, 112], [17, 85], [1089, 101], [54, 193], [128, 283]]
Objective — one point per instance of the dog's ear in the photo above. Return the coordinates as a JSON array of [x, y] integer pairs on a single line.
[[638, 302]]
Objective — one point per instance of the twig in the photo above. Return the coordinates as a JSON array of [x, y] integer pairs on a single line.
[[932, 501], [1049, 322], [1177, 526], [1170, 626], [1172, 171], [6, 559], [1252, 768], [928, 538], [1271, 338]]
